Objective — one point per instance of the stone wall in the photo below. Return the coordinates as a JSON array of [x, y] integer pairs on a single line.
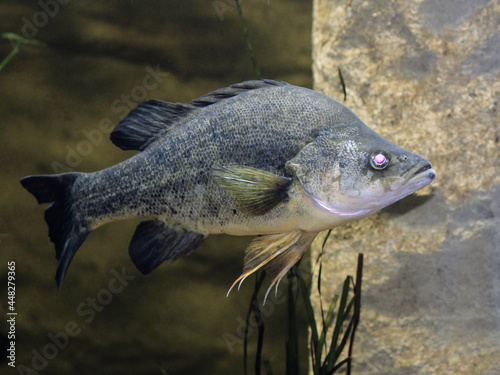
[[425, 75]]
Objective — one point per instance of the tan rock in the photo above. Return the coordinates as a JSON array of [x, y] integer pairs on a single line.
[[425, 75]]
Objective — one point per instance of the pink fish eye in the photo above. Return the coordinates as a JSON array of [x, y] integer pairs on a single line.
[[379, 160]]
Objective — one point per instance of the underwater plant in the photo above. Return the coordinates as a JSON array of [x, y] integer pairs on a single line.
[[17, 42], [329, 338]]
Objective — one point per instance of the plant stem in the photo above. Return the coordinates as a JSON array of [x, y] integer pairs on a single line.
[[256, 68], [20, 41], [357, 309], [292, 343], [11, 55]]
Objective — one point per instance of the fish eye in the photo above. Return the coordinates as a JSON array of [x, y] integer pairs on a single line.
[[379, 160]]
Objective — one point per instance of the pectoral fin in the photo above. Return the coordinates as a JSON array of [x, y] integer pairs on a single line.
[[277, 253], [154, 242], [254, 191]]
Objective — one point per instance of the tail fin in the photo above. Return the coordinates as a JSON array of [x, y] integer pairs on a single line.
[[65, 231]]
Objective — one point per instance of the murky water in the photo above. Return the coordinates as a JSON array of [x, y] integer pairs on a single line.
[[59, 101]]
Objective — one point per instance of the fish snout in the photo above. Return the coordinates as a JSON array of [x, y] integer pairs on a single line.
[[422, 172]]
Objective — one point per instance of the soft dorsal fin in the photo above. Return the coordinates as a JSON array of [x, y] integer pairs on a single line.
[[146, 122], [150, 120]]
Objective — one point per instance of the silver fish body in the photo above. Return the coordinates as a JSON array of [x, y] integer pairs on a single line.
[[259, 157]]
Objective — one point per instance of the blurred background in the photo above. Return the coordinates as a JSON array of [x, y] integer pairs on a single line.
[[95, 62]]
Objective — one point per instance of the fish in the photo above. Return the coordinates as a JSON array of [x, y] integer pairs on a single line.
[[262, 157]]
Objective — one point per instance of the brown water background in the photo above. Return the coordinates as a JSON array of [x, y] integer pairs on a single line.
[[96, 63]]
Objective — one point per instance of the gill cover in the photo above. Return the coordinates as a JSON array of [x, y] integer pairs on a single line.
[[329, 169]]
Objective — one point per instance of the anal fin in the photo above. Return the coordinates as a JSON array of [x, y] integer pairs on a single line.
[[155, 242], [277, 253]]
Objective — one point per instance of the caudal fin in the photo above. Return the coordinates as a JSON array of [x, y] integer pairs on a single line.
[[65, 231]]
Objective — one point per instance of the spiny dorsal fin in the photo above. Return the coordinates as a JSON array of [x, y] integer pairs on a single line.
[[277, 253], [150, 120], [254, 191], [233, 90]]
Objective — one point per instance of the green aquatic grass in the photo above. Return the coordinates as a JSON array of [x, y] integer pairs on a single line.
[[342, 83], [17, 42], [251, 52], [254, 311], [340, 322]]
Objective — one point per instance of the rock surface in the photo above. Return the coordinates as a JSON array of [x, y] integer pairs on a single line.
[[426, 75]]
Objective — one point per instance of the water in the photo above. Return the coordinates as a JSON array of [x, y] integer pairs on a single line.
[[59, 102]]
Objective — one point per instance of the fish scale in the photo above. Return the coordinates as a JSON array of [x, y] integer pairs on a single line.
[[256, 158]]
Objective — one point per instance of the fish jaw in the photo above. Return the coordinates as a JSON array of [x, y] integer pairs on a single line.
[[338, 211], [416, 179], [420, 176]]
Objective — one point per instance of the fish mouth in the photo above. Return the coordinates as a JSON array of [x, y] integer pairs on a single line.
[[421, 172]]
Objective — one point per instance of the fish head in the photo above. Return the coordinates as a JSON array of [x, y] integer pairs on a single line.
[[351, 171]]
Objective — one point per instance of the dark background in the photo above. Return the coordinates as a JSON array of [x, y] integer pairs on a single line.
[[94, 56]]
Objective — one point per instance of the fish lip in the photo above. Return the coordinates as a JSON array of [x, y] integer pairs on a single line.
[[421, 171]]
